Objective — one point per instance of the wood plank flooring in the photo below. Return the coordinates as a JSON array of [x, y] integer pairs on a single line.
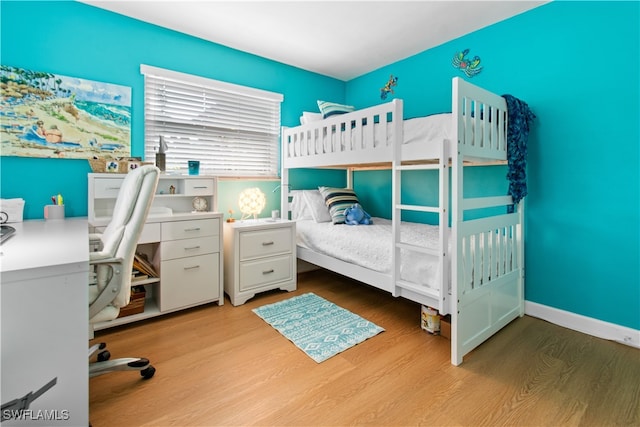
[[224, 366]]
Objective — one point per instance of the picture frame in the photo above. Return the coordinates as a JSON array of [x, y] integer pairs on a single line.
[[55, 116]]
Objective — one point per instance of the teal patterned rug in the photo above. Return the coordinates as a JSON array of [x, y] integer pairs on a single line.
[[316, 326]]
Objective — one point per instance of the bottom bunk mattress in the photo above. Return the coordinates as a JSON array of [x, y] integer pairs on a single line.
[[370, 246]]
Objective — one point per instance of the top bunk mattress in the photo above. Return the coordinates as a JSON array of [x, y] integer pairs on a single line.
[[334, 138]]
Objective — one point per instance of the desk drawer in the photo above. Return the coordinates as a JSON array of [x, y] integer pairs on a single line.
[[187, 229], [254, 274], [261, 243], [189, 281], [150, 233], [198, 187], [107, 188], [190, 247]]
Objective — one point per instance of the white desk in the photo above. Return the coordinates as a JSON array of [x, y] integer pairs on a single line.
[[44, 271]]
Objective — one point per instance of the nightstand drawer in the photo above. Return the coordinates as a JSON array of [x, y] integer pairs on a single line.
[[254, 274], [188, 229], [190, 247], [198, 187], [255, 244]]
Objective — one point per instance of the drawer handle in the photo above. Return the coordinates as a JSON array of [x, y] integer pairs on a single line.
[[193, 267], [192, 248], [192, 229], [267, 243], [200, 186], [268, 271], [113, 188]]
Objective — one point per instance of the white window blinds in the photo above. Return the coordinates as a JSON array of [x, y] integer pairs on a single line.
[[232, 130]]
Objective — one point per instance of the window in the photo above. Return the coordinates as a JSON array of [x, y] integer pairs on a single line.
[[232, 130]]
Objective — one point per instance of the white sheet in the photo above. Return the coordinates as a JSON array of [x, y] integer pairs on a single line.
[[434, 128], [370, 246]]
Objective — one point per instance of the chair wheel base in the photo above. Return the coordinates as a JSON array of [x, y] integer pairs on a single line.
[[104, 355], [148, 372]]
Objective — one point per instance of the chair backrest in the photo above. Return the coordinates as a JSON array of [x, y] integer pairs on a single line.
[[120, 238]]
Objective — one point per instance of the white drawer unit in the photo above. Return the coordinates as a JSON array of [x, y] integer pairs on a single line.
[[259, 255], [189, 263], [183, 246]]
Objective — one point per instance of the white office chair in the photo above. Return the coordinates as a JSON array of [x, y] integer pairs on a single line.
[[113, 263]]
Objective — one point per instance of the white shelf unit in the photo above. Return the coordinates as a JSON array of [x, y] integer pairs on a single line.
[[184, 246]]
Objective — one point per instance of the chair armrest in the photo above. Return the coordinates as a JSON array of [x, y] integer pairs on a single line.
[[97, 258], [95, 241]]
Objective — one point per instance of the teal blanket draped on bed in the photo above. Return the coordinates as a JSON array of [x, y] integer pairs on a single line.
[[520, 118]]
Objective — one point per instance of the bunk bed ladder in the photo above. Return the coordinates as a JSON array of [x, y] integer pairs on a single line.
[[435, 296]]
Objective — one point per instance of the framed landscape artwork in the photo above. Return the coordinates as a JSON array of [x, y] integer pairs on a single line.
[[49, 115]]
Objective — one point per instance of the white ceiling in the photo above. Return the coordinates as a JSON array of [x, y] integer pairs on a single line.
[[341, 39]]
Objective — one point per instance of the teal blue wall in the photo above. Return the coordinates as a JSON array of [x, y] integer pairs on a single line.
[[576, 65], [74, 39]]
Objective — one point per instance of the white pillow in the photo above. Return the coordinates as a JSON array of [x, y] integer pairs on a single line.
[[308, 117], [317, 206], [299, 208]]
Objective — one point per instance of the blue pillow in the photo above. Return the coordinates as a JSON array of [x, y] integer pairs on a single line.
[[329, 109]]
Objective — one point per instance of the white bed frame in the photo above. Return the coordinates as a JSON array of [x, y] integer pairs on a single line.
[[482, 275]]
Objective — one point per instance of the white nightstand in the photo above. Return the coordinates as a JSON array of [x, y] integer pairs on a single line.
[[259, 255]]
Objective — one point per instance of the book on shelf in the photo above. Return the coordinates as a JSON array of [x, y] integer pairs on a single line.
[[141, 264]]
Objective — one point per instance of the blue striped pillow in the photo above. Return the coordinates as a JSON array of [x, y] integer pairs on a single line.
[[337, 200], [331, 108]]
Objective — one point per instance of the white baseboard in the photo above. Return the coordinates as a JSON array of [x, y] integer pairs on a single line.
[[586, 325]]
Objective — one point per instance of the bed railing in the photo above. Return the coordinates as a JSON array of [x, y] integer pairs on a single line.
[[481, 119], [344, 139]]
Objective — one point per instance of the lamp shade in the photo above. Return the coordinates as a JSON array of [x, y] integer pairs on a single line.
[[252, 202]]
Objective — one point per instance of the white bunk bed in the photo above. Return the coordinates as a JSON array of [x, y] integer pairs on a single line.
[[480, 261]]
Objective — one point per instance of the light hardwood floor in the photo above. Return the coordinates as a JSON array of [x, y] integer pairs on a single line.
[[224, 366]]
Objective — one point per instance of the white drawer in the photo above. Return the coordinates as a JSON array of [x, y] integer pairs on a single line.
[[187, 229], [150, 233], [254, 274], [107, 188], [189, 281], [254, 244], [190, 247], [198, 187]]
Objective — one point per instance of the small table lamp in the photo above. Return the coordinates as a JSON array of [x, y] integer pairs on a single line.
[[252, 202]]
